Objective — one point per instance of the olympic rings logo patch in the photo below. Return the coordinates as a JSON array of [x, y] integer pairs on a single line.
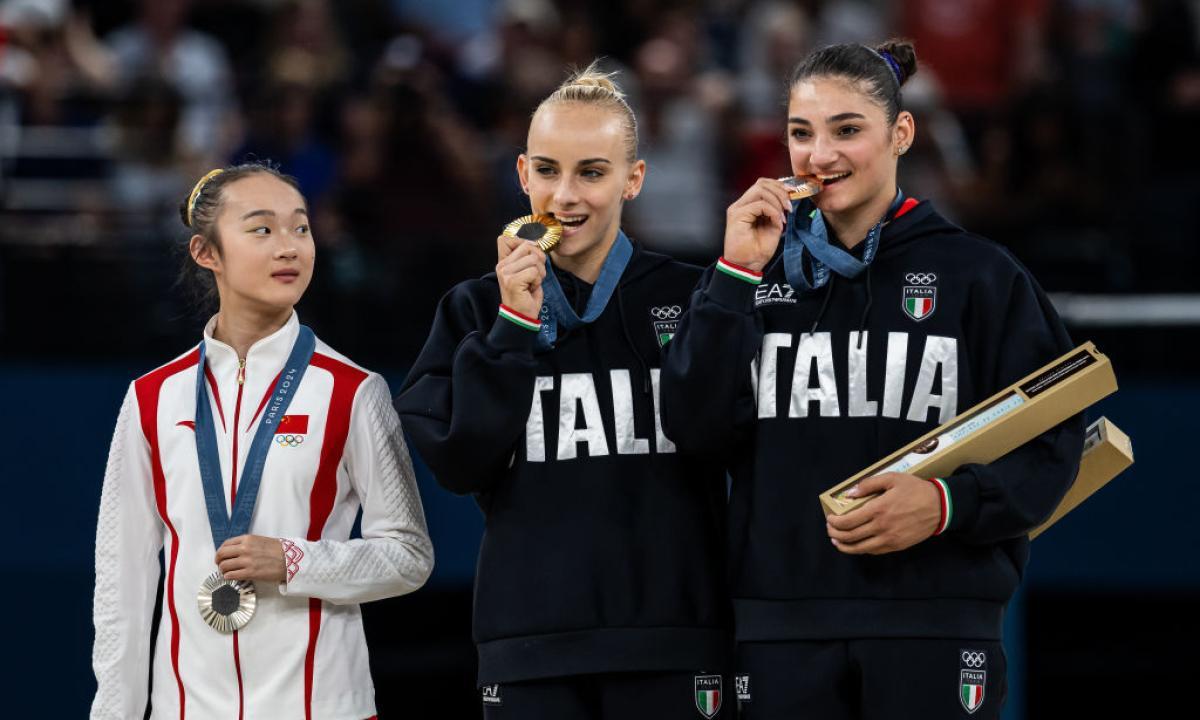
[[974, 659], [921, 278], [289, 440], [666, 312]]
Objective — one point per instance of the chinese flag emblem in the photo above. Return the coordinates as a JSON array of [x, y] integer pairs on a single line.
[[292, 425]]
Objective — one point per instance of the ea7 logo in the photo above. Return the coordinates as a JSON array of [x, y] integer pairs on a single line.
[[972, 679], [774, 294], [491, 695], [742, 685]]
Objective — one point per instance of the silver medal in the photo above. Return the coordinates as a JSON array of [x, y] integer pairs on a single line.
[[226, 605]]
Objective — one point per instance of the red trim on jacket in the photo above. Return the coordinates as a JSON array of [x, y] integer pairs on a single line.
[[346, 380], [266, 397], [148, 388], [212, 383]]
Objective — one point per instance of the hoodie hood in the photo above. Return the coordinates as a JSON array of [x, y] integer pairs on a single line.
[[913, 221], [919, 221], [642, 264]]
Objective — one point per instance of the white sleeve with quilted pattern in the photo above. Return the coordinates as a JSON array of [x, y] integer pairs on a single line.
[[394, 555], [128, 538]]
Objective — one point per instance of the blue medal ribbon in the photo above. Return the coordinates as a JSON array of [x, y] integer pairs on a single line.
[[810, 241], [238, 522], [555, 308]]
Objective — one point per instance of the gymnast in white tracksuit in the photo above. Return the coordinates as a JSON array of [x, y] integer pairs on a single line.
[[332, 444]]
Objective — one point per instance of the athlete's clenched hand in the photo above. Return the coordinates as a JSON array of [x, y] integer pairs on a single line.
[[252, 557], [754, 223], [520, 271]]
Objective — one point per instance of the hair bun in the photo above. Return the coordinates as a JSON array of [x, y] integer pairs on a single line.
[[593, 77], [593, 86], [905, 55]]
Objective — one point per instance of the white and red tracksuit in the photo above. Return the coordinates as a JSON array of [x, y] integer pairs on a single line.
[[303, 655]]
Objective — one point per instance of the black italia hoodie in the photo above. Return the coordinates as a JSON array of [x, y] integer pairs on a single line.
[[602, 548], [796, 391]]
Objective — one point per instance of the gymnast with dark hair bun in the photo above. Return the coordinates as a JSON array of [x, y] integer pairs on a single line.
[[845, 320]]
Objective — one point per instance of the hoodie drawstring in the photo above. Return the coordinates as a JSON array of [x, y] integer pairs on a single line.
[[862, 324], [646, 384], [824, 303]]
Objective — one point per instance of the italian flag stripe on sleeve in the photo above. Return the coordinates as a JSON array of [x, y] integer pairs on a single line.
[[739, 272], [947, 504], [515, 317]]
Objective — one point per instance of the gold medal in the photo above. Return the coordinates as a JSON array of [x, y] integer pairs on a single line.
[[799, 188], [226, 605], [544, 230]]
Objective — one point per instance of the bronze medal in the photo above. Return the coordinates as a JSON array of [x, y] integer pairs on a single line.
[[799, 187]]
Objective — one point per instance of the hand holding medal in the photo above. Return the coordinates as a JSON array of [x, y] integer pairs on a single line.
[[227, 598], [252, 557], [228, 602], [755, 221], [521, 250]]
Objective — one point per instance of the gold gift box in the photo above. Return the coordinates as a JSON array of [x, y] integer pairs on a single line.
[[1107, 452], [996, 426]]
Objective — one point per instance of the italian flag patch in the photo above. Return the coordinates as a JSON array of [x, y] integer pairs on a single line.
[[708, 694], [972, 679], [920, 301]]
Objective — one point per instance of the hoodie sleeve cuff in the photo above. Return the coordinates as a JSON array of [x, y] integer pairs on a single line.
[[961, 493], [733, 286], [513, 331]]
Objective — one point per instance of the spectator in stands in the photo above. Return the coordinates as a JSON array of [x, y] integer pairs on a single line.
[[160, 44]]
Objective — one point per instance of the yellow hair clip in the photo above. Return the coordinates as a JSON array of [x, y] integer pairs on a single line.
[[196, 192]]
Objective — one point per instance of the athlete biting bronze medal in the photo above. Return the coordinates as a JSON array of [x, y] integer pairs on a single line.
[[801, 187]]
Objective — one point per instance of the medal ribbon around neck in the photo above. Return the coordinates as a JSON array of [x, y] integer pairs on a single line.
[[813, 241], [556, 309], [237, 522]]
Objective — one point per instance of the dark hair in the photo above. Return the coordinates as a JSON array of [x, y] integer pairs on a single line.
[[199, 211], [881, 70]]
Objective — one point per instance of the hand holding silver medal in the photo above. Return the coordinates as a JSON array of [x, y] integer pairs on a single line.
[[227, 605]]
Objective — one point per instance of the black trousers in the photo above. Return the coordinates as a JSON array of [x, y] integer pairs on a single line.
[[873, 679], [613, 696]]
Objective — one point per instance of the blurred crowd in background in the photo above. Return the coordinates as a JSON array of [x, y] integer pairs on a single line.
[[1068, 130]]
